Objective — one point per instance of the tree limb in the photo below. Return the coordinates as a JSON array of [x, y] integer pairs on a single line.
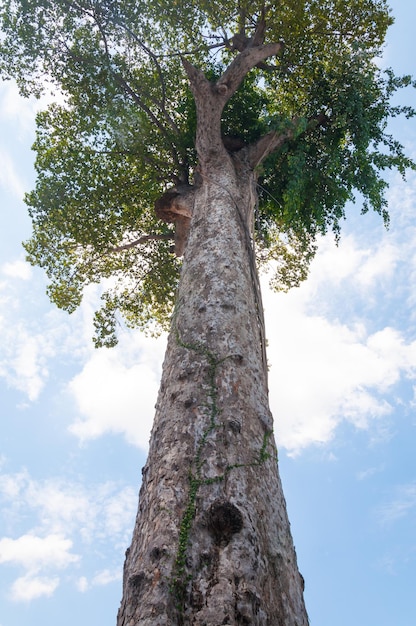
[[154, 59], [267, 144], [146, 109], [248, 58], [210, 99], [273, 140], [143, 239]]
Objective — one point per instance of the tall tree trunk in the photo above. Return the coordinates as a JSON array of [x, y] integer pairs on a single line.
[[212, 542]]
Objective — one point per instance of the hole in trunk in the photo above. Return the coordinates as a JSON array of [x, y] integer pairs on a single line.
[[224, 521]]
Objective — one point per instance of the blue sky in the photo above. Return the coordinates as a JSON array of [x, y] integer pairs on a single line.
[[74, 421]]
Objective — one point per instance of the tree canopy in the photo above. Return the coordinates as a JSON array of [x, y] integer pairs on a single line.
[[122, 131]]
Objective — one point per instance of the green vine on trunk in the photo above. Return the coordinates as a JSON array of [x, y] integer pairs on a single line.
[[180, 578]]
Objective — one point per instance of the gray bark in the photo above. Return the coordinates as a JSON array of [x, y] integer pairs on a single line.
[[212, 542]]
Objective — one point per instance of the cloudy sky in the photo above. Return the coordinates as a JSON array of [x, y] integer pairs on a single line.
[[74, 421]]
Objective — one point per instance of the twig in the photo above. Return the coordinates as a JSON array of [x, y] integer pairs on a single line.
[[143, 239]]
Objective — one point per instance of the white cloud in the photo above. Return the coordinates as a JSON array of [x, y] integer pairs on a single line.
[[9, 176], [116, 391], [66, 520], [32, 333], [27, 369], [30, 587], [333, 264], [353, 265], [11, 485], [34, 553], [17, 269], [378, 264], [69, 508], [60, 508], [367, 473], [34, 336], [110, 511], [82, 584], [105, 578], [118, 511], [101, 579], [323, 370], [20, 111], [27, 349]]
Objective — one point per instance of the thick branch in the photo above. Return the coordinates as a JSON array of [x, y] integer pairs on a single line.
[[229, 82], [267, 144], [210, 99], [233, 76], [209, 106], [273, 140], [197, 78]]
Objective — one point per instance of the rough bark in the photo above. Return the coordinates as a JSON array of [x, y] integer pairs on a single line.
[[175, 207], [212, 542]]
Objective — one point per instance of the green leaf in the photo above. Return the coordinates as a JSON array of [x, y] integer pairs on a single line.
[[124, 132]]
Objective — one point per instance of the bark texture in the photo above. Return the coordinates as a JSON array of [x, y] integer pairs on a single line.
[[212, 542]]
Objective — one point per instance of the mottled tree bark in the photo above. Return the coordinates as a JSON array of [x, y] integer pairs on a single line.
[[212, 542]]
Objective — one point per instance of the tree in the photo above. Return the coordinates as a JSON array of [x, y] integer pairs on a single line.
[[248, 126]]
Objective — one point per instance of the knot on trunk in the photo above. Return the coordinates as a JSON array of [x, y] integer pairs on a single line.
[[175, 206], [137, 582], [224, 521]]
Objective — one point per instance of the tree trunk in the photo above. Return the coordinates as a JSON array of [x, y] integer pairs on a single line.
[[212, 542]]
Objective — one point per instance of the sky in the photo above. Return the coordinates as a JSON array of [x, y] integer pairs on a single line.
[[75, 421]]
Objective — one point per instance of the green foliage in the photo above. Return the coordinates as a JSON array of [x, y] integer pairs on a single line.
[[124, 131], [314, 175]]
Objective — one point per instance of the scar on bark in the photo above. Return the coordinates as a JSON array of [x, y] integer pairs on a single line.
[[224, 521], [175, 207]]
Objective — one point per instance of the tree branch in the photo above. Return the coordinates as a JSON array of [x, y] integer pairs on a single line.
[[210, 98], [154, 59], [267, 144], [273, 140], [146, 109], [143, 239], [127, 87], [196, 76], [248, 58]]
